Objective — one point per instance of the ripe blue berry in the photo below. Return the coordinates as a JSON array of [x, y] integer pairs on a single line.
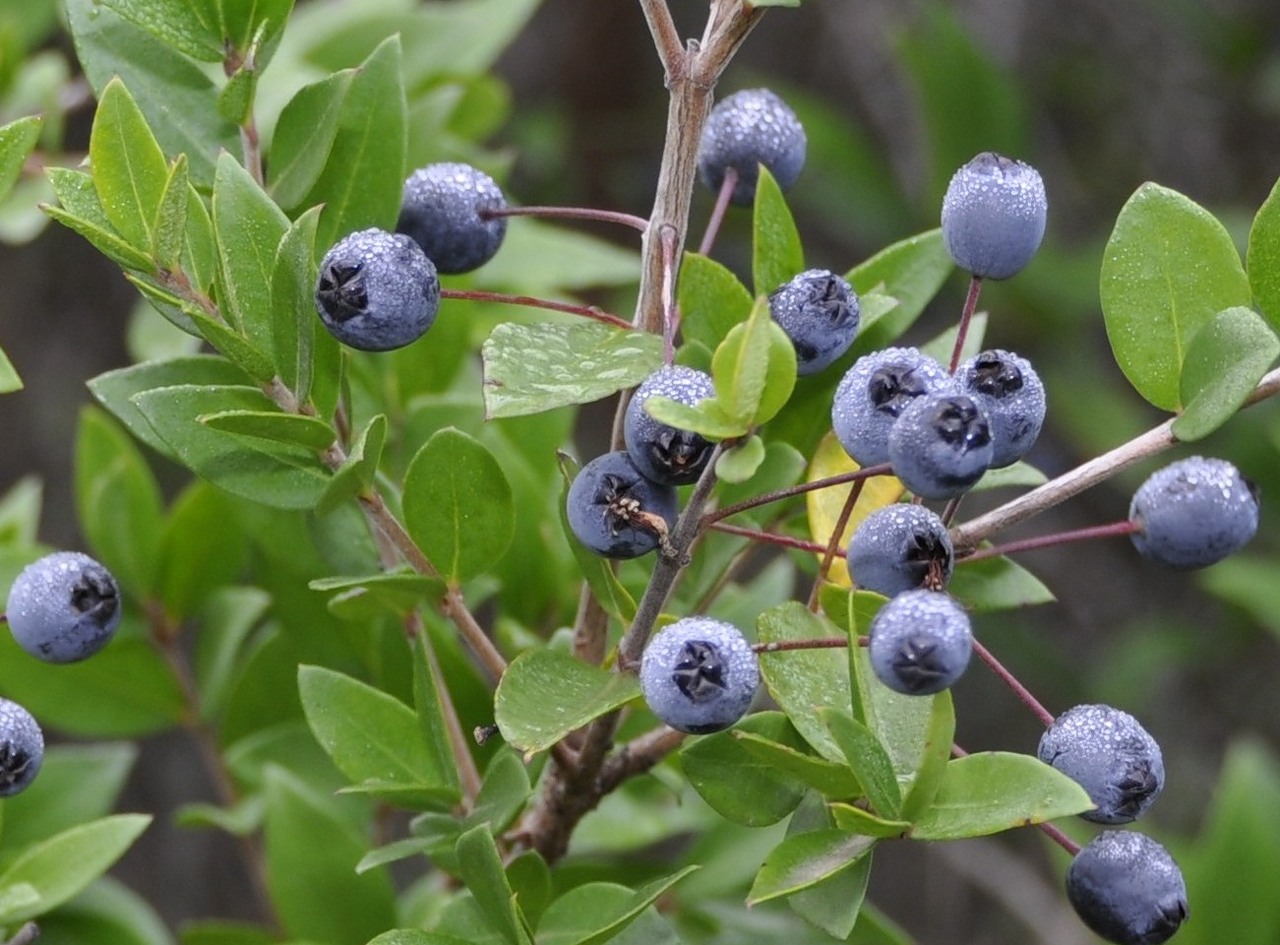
[[1127, 888], [443, 210], [874, 392], [1010, 393], [615, 511], [660, 451], [377, 291], [21, 748], [1194, 512], [901, 548], [63, 607], [941, 445], [820, 313], [699, 675], [1109, 754], [747, 129], [920, 642], [993, 216]]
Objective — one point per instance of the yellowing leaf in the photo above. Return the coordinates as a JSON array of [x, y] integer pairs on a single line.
[[825, 505]]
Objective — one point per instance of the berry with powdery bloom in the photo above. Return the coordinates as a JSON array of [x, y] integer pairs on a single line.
[[874, 392], [1127, 889], [21, 748], [64, 607], [444, 209], [617, 512], [699, 675], [993, 216], [820, 313], [920, 642], [743, 131], [1194, 512], [1010, 393], [940, 446], [901, 548], [660, 451]]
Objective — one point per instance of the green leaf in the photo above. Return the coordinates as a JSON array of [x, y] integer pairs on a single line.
[[66, 863], [901, 722], [293, 315], [372, 737], [416, 937], [370, 137], [118, 500], [377, 595], [129, 169], [532, 722], [802, 682], [17, 140], [795, 759], [860, 821], [739, 784], [776, 254], [482, 871], [204, 548], [708, 417], [428, 706], [754, 369], [532, 368], [986, 793], [106, 913], [235, 102], [910, 271], [997, 583], [226, 622], [594, 913], [1225, 360], [940, 736], [169, 231], [10, 382], [711, 300], [1169, 267], [292, 429], [740, 463], [359, 469], [304, 137], [314, 887], [286, 477], [458, 505], [868, 760], [804, 860], [82, 213], [191, 28], [1262, 257]]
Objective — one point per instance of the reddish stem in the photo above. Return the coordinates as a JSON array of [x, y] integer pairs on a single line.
[[587, 311], [779, 495], [1060, 838], [786, 541], [1111, 530], [717, 213], [570, 213], [1022, 692], [833, 544], [966, 316]]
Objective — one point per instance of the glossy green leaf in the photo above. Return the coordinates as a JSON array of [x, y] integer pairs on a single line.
[[191, 28], [803, 682], [372, 737], [596, 569], [532, 722], [17, 140], [532, 368], [776, 253], [200, 253], [940, 735], [118, 501], [293, 429], [316, 891], [77, 783], [1169, 267], [304, 137], [416, 937], [429, 707], [458, 505], [63, 865], [708, 417], [81, 212], [286, 477], [1224, 361], [370, 136], [754, 368], [482, 871], [868, 760], [235, 101], [293, 315], [910, 271], [711, 298], [169, 231], [986, 793], [377, 595], [1262, 258], [594, 913], [798, 761], [835, 904], [740, 463], [998, 583], [902, 723], [359, 469], [804, 860], [738, 783], [129, 169], [861, 821]]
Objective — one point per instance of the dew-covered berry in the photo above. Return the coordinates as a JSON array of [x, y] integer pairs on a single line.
[[1127, 888], [63, 607], [1010, 393], [699, 675], [21, 748], [444, 210], [377, 291], [900, 548], [1109, 754], [920, 642], [993, 216], [820, 313], [941, 445], [616, 511], [747, 129], [874, 392], [1194, 512], [660, 451]]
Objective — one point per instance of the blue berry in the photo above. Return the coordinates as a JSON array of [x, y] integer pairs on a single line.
[[660, 451], [1109, 754], [63, 607], [920, 642], [901, 548], [873, 393], [747, 129], [443, 210], [1010, 393], [699, 675], [1194, 512], [993, 216], [377, 291], [820, 313], [21, 748], [1127, 888], [941, 445], [615, 511]]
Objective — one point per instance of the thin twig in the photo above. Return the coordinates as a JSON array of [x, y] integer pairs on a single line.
[[1111, 530], [779, 495], [966, 318], [1022, 692], [833, 543], [771, 538], [727, 187], [570, 213], [587, 311]]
